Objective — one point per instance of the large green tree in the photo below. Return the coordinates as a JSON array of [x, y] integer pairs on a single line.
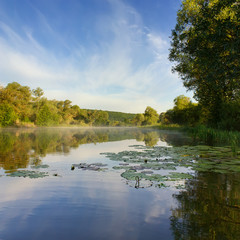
[[205, 46]]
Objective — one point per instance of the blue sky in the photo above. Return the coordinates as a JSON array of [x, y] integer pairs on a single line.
[[100, 54]]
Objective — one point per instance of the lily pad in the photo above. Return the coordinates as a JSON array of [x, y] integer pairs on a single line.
[[175, 176], [132, 175], [180, 159], [27, 173], [40, 166], [147, 172], [92, 166]]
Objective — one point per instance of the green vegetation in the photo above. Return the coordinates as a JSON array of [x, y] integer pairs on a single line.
[[190, 117], [184, 112], [205, 47], [27, 173], [173, 164], [212, 136], [119, 118], [21, 106]]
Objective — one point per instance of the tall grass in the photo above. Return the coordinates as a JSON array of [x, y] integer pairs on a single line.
[[211, 136]]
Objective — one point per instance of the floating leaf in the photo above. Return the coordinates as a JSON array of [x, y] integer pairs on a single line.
[[27, 173]]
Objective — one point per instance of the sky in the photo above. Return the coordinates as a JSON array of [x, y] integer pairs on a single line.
[[99, 54]]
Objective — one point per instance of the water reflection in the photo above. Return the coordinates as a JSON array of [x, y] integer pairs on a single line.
[[209, 208], [97, 205], [21, 148]]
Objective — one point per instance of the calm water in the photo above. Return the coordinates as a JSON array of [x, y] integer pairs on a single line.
[[101, 205]]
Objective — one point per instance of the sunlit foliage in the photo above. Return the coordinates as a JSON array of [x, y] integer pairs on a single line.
[[205, 47]]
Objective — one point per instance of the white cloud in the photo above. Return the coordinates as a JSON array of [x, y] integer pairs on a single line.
[[126, 73], [157, 41]]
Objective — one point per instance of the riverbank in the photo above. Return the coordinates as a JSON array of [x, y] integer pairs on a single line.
[[207, 135]]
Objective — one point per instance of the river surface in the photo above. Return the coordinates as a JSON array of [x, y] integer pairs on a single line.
[[73, 199]]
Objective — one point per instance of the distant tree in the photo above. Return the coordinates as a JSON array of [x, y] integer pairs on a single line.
[[150, 116], [47, 115], [181, 102], [184, 112], [138, 119], [44, 116], [166, 117], [37, 93], [75, 110], [101, 118], [7, 115], [18, 97], [36, 102]]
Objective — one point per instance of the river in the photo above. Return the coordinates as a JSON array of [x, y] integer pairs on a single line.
[[115, 183]]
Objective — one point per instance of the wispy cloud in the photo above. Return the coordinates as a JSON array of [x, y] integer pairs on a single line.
[[126, 70]]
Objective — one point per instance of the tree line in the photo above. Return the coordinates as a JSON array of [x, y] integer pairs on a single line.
[[21, 106]]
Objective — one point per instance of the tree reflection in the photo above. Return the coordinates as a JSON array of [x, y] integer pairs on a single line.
[[151, 138], [23, 147], [175, 138], [209, 208]]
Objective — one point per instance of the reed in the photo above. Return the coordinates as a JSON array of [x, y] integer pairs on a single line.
[[211, 136]]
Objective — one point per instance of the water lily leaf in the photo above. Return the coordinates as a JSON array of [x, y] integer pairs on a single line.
[[40, 166], [27, 173]]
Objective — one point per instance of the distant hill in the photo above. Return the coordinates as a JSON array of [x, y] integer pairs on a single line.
[[116, 116], [120, 116]]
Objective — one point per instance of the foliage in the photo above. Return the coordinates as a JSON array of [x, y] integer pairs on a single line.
[[21, 106], [205, 46], [150, 116], [184, 112], [230, 116], [46, 117], [181, 102], [7, 115], [19, 97], [138, 119], [120, 118]]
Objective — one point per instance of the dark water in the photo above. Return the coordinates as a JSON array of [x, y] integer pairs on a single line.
[[100, 205]]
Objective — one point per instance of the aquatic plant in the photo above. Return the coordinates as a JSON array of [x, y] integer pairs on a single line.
[[92, 166], [178, 163], [27, 173], [40, 166], [211, 136]]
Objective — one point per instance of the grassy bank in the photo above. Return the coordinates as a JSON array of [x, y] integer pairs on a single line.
[[213, 136], [164, 127], [208, 136]]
